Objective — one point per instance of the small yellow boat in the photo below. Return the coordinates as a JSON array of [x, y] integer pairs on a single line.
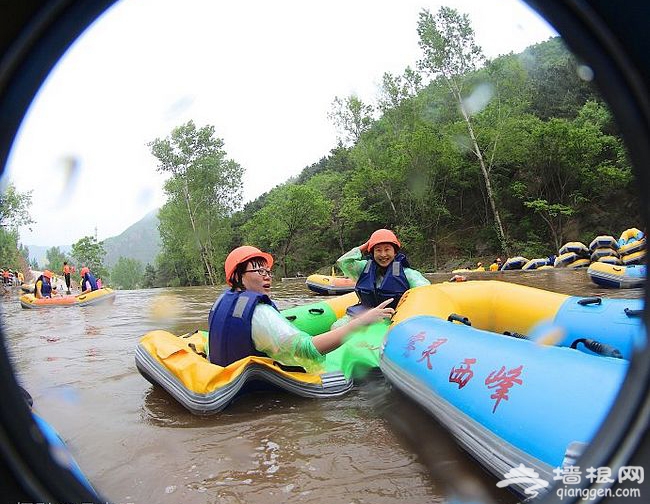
[[104, 295], [330, 285]]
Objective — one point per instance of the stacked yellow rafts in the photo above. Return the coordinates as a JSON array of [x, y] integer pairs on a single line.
[[629, 249]]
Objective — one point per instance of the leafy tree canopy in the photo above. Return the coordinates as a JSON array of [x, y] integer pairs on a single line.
[[127, 273], [89, 252]]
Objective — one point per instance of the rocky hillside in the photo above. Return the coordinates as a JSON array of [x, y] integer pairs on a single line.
[[141, 241]]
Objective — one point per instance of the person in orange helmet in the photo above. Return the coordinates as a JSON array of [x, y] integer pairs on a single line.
[[43, 285], [244, 321], [384, 273], [88, 281]]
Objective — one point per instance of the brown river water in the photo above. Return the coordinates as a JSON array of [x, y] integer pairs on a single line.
[[137, 445]]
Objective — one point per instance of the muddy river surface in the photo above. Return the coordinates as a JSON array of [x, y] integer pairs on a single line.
[[137, 445]]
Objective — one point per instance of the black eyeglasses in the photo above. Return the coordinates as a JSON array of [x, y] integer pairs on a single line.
[[261, 272]]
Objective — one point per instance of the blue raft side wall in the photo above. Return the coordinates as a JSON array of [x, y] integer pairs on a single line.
[[60, 451], [555, 404], [606, 322]]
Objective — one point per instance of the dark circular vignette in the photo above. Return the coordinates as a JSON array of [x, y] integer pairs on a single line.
[[33, 36], [611, 37]]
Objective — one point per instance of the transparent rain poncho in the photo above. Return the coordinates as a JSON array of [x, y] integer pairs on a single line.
[[279, 339]]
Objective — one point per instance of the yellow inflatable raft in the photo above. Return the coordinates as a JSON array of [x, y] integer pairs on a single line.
[[621, 277], [579, 263], [104, 295], [514, 263], [563, 260], [178, 364], [329, 285], [535, 264], [637, 257], [612, 259], [603, 241], [578, 247]]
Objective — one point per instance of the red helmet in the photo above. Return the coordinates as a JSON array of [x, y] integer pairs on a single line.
[[383, 236], [243, 254]]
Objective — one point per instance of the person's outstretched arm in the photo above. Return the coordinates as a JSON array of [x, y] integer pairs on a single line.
[[333, 339], [281, 340]]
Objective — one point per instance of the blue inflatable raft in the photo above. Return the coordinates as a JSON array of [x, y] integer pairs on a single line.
[[509, 400]]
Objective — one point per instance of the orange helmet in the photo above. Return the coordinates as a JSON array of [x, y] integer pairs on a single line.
[[243, 254], [383, 236], [84, 270], [48, 274]]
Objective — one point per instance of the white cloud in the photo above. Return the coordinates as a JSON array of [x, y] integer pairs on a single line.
[[263, 73]]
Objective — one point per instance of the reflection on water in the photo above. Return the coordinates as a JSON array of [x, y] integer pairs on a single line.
[[136, 444]]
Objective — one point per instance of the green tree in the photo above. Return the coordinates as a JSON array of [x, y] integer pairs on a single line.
[[556, 88], [127, 273], [14, 208], [55, 260], [570, 164], [351, 116], [203, 191], [149, 277], [89, 252], [9, 255], [14, 212], [290, 224], [450, 52], [332, 184], [395, 90]]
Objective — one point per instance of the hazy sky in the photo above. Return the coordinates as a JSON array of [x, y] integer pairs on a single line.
[[263, 73]]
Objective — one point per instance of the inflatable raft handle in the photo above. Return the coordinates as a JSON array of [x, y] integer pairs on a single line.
[[590, 300], [598, 347], [458, 318], [313, 311], [515, 335], [288, 368], [633, 313]]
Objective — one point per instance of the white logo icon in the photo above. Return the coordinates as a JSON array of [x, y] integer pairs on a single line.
[[522, 475]]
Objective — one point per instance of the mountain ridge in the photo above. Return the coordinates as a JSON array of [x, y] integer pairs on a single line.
[[139, 241]]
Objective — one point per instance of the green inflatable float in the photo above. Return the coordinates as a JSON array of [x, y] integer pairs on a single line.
[[360, 352]]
